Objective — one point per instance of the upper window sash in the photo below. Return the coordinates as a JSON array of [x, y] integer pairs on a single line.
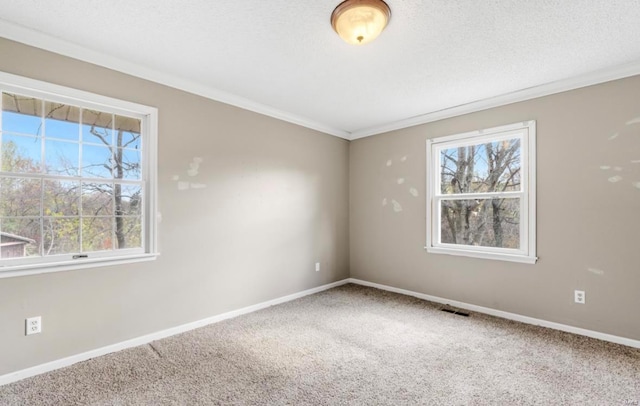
[[475, 140]]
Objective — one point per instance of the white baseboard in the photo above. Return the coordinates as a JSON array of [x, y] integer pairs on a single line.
[[134, 342], [505, 315]]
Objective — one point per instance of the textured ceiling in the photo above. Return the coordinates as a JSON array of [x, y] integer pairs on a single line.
[[282, 57]]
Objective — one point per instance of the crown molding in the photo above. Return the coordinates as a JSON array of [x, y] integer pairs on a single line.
[[47, 42], [576, 82]]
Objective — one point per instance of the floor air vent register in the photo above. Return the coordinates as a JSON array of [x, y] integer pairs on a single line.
[[457, 312]]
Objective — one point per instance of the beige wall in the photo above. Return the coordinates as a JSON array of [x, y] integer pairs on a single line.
[[275, 202], [584, 221]]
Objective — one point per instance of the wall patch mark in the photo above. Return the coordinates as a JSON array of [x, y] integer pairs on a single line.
[[615, 179], [193, 170], [400, 181], [414, 192], [397, 207], [194, 166], [389, 162], [384, 202], [614, 136], [596, 271], [634, 121]]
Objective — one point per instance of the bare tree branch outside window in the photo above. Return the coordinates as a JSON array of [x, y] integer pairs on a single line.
[[90, 196], [481, 168]]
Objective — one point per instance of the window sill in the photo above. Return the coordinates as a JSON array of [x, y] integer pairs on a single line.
[[35, 269], [484, 255]]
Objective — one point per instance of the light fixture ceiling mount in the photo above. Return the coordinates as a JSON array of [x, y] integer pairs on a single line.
[[358, 22]]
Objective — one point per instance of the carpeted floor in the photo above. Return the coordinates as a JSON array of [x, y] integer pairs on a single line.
[[350, 345]]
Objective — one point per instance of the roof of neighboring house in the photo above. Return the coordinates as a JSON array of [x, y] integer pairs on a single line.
[[17, 237]]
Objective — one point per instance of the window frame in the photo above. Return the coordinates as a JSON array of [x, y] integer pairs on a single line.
[[526, 131], [148, 115]]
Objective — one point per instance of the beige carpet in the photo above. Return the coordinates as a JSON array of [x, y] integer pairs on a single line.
[[350, 346]]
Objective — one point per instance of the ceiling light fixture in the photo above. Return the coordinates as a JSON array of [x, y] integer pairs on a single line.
[[360, 21]]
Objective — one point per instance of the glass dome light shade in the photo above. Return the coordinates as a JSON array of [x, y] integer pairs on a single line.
[[359, 22]]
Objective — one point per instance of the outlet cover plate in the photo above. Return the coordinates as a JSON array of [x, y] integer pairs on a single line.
[[33, 325]]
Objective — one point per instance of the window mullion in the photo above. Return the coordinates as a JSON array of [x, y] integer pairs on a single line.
[[81, 183], [144, 171], [43, 160], [114, 154], [488, 195], [524, 225]]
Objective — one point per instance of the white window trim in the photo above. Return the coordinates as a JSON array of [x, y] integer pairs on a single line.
[[49, 91], [527, 251]]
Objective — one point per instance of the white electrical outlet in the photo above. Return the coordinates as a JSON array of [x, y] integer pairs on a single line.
[[317, 266], [579, 296], [33, 325]]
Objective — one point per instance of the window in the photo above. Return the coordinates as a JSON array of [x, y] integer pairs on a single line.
[[77, 178], [481, 193]]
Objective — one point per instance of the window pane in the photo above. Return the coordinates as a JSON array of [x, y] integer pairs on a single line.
[[97, 233], [128, 199], [127, 164], [19, 237], [61, 235], [97, 199], [97, 127], [21, 154], [127, 132], [61, 158], [61, 121], [488, 167], [61, 198], [96, 162], [19, 197], [21, 114], [128, 232], [482, 222]]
